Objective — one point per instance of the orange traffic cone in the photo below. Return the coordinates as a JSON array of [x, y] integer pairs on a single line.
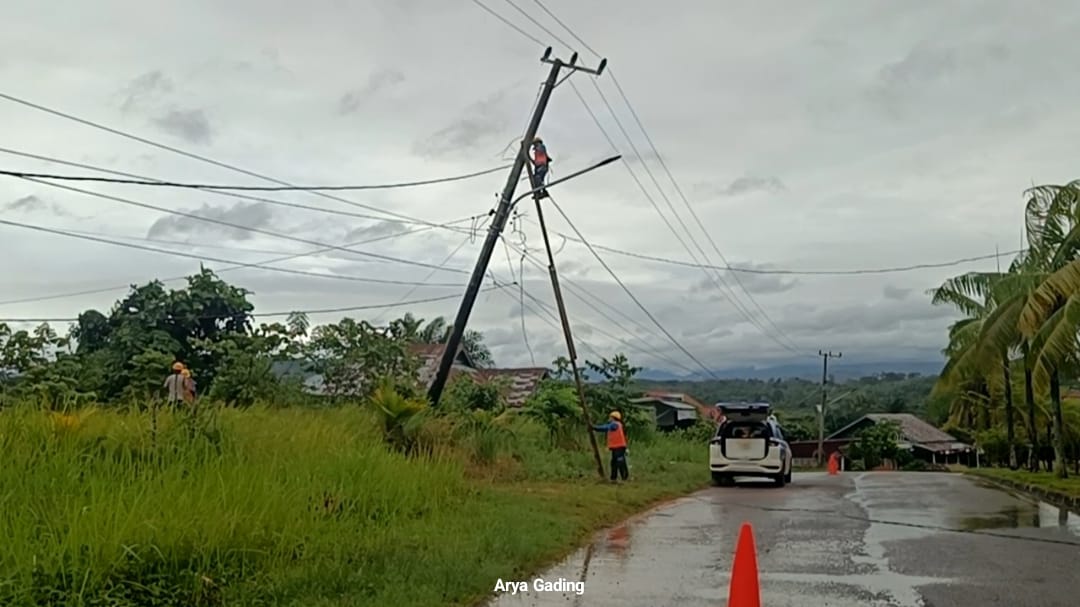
[[744, 590]]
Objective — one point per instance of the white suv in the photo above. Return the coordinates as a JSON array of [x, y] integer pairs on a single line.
[[749, 442]]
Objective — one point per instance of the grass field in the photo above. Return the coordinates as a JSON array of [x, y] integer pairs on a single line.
[[291, 507], [1068, 486]]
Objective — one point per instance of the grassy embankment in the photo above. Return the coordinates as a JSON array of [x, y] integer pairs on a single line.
[[1046, 480], [291, 507]]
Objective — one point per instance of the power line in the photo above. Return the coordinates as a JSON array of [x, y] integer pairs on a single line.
[[564, 26], [200, 158], [508, 23], [225, 193], [242, 227], [223, 270], [789, 272], [730, 294], [629, 292], [396, 304], [540, 25], [253, 188], [129, 245], [449, 226], [432, 273], [733, 298]]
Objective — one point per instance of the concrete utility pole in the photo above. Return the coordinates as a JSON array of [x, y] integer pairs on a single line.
[[498, 223], [570, 350], [825, 356]]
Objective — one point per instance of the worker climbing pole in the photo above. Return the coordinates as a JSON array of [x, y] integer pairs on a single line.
[[540, 161]]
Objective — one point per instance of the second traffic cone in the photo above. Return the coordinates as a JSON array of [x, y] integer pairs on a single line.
[[744, 590]]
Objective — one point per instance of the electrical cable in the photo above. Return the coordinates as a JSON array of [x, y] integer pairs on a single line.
[[223, 270], [129, 245], [445, 261], [721, 284], [540, 25], [630, 293], [398, 304], [508, 23], [733, 298], [565, 237], [205, 159], [242, 227], [252, 188], [225, 193]]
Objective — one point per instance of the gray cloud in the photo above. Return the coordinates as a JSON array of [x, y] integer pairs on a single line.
[[893, 292], [744, 185], [254, 215], [376, 83], [375, 230], [35, 204], [145, 87], [853, 122], [480, 123], [756, 284], [27, 204], [190, 125]]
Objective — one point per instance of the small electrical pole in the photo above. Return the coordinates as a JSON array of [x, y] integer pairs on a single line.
[[570, 350], [498, 223], [825, 356]]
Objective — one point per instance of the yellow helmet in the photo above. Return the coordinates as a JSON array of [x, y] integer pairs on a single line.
[[615, 415], [186, 373], [178, 366], [537, 139]]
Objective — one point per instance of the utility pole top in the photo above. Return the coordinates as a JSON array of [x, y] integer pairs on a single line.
[[573, 63], [830, 354]]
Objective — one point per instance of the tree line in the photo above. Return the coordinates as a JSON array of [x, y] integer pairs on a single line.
[[1012, 357], [122, 355]]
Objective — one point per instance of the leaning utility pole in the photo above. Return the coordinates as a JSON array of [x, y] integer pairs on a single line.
[[498, 223], [570, 350], [825, 356]]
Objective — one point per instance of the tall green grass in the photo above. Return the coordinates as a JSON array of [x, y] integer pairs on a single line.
[[288, 507]]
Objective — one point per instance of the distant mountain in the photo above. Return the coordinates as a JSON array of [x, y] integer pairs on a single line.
[[839, 369]]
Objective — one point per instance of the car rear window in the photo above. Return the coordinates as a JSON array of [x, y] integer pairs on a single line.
[[745, 430]]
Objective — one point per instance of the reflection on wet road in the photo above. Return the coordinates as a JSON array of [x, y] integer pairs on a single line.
[[859, 539]]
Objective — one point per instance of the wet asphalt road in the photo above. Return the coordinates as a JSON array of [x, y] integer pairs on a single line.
[[857, 539]]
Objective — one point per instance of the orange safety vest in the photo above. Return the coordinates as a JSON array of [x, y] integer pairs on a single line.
[[540, 156], [616, 439]]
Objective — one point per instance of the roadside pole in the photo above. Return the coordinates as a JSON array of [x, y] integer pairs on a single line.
[[570, 350], [825, 356], [498, 223]]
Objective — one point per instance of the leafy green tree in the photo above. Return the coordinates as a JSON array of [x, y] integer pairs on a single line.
[[875, 444], [437, 331], [353, 357]]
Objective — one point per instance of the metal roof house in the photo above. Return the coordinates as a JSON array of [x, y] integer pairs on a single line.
[[673, 410], [916, 435]]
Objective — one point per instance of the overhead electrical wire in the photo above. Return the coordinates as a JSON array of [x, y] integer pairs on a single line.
[[717, 279], [251, 188], [584, 295], [241, 227], [508, 22], [397, 304], [225, 193], [630, 293], [237, 266], [205, 159], [129, 245], [733, 297], [450, 227]]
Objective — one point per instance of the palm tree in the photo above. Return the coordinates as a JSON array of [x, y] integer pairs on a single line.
[[437, 331], [1050, 318]]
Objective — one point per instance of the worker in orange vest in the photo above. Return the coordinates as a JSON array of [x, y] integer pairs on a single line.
[[616, 444], [540, 161]]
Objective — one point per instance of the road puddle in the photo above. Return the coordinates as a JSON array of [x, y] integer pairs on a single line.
[[1039, 515]]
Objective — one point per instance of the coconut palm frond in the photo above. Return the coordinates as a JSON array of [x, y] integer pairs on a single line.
[[967, 292], [1055, 288]]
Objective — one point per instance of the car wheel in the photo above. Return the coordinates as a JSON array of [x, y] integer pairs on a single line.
[[721, 480], [780, 479], [787, 477]]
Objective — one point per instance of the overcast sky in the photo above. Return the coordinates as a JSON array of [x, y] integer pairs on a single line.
[[807, 136]]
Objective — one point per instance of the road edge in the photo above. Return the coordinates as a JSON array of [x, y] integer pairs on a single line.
[[1049, 496]]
